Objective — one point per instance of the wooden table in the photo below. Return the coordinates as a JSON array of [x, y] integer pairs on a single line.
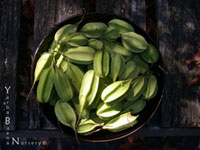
[[176, 32]]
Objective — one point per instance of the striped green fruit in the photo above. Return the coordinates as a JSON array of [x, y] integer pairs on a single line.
[[94, 29], [134, 42], [65, 114], [120, 25], [43, 62], [115, 90], [117, 48], [101, 63], [151, 88], [120, 123], [151, 55], [131, 71], [63, 85], [88, 90], [117, 66], [144, 67], [87, 127], [76, 39], [134, 107], [62, 63], [105, 111], [96, 44], [111, 34], [45, 86], [81, 55], [97, 99], [64, 32], [137, 88], [75, 74]]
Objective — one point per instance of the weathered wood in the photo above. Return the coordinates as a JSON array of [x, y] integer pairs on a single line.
[[2, 57], [178, 28], [134, 10], [144, 132], [10, 11], [47, 14]]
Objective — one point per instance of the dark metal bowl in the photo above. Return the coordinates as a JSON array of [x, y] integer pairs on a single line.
[[147, 112]]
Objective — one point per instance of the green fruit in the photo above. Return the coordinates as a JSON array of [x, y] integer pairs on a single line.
[[120, 25], [134, 42], [121, 122], [65, 114], [101, 63], [94, 29], [115, 90], [151, 55]]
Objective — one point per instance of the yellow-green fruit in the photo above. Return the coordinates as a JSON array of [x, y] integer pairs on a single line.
[[88, 90], [97, 99], [111, 34], [131, 71], [144, 67], [64, 32], [134, 107], [151, 88], [81, 55], [75, 74], [121, 122], [45, 86], [105, 111], [120, 25], [117, 48], [137, 88], [63, 85], [65, 114], [76, 39], [101, 63], [96, 44], [43, 62], [134, 42], [94, 29], [86, 126], [117, 66], [115, 90], [62, 63], [151, 55]]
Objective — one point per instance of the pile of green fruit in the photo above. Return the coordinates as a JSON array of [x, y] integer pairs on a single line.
[[97, 76]]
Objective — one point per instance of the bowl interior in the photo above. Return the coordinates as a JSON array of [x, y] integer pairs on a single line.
[[146, 113]]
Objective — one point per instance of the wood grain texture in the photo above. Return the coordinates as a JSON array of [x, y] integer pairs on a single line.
[[47, 14], [134, 10], [178, 29], [9, 28]]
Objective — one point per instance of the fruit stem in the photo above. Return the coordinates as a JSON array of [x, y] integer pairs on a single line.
[[29, 94], [83, 16]]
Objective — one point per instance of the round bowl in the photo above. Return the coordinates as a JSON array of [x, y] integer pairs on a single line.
[[147, 112]]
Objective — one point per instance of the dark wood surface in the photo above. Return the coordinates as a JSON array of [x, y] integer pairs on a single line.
[[135, 10], [177, 29], [10, 12]]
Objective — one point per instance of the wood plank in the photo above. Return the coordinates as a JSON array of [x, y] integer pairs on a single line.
[[144, 132], [47, 14], [10, 12], [134, 10], [178, 28]]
